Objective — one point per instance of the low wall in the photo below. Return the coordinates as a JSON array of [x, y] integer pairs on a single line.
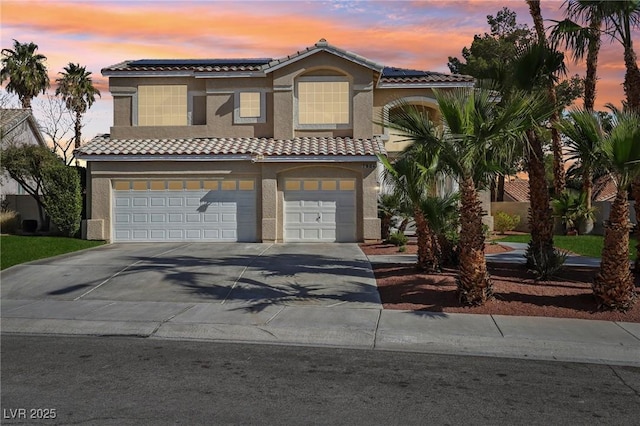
[[24, 205], [522, 209]]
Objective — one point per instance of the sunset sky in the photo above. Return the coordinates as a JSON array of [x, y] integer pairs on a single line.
[[410, 34]]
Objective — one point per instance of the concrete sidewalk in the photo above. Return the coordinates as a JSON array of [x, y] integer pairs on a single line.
[[539, 338]]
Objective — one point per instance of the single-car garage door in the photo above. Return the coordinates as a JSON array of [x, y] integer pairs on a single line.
[[320, 210], [184, 210]]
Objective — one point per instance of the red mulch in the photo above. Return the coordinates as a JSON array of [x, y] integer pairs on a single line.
[[568, 295]]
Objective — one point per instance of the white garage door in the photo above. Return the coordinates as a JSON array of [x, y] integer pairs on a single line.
[[184, 210], [320, 210]]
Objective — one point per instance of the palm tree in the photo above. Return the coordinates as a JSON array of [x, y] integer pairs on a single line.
[[556, 143], [613, 285], [535, 68], [388, 207], [25, 70], [411, 182], [582, 40], [584, 135], [472, 145], [77, 90]]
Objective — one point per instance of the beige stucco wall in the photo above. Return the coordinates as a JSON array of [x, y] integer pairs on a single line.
[[269, 185], [522, 209]]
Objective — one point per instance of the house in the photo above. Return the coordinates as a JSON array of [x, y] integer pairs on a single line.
[[248, 149], [18, 126]]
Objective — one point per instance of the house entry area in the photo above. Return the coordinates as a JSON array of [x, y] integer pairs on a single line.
[[320, 210], [205, 210]]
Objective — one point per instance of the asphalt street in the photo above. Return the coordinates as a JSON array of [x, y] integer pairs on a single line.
[[120, 381]]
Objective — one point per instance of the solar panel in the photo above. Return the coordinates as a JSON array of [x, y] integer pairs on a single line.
[[197, 62], [402, 72]]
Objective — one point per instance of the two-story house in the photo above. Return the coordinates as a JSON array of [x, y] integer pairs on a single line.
[[264, 150]]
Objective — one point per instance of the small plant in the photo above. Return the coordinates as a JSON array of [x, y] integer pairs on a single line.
[[8, 222], [503, 222], [402, 249], [571, 207], [398, 239], [544, 264], [486, 231]]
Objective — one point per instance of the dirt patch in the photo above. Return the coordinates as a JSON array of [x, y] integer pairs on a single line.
[[569, 295]]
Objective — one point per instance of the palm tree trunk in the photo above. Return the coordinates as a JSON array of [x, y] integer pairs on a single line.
[[78, 130], [592, 64], [559, 179], [613, 286], [635, 192], [474, 283], [632, 78], [540, 218], [427, 259]]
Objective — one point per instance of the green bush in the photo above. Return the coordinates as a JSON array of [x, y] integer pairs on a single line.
[[63, 198], [8, 222], [544, 264], [503, 222], [398, 239]]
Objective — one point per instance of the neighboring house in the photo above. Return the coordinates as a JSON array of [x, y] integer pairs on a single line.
[[18, 126], [248, 149], [516, 190]]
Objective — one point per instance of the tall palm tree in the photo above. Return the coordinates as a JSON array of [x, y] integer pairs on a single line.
[[613, 285], [584, 135], [535, 68], [582, 40], [77, 90], [472, 147], [556, 144], [25, 70]]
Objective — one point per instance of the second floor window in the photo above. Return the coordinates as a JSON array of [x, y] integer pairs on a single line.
[[162, 105], [249, 104], [323, 102]]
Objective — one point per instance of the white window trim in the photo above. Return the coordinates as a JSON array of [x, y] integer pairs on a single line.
[[237, 119], [296, 106]]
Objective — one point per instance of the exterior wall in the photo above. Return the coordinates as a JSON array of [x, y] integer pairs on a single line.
[[522, 209], [269, 185], [24, 205]]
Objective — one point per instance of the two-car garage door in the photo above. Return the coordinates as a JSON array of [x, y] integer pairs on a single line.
[[184, 210]]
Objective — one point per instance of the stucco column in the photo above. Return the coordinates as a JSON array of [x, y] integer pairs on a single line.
[[269, 204], [283, 104], [370, 204], [362, 107]]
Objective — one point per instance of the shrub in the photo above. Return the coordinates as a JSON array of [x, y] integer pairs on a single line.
[[402, 249], [503, 222], [398, 239], [8, 222], [63, 198]]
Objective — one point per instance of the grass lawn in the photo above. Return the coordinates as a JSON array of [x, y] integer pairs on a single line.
[[585, 245], [15, 249]]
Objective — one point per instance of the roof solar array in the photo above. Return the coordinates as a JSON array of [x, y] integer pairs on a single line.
[[198, 62]]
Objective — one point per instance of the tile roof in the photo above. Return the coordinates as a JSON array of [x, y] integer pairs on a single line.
[[517, 189], [11, 118], [307, 146], [604, 189], [388, 75]]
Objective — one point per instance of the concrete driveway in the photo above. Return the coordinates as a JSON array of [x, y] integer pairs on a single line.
[[254, 274]]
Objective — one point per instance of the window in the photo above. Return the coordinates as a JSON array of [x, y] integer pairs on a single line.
[[249, 107], [323, 103], [162, 105]]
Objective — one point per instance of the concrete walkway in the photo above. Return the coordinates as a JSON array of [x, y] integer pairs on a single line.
[[364, 326]]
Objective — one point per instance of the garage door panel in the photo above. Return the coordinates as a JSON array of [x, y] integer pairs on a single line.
[[185, 215], [158, 218], [140, 218]]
